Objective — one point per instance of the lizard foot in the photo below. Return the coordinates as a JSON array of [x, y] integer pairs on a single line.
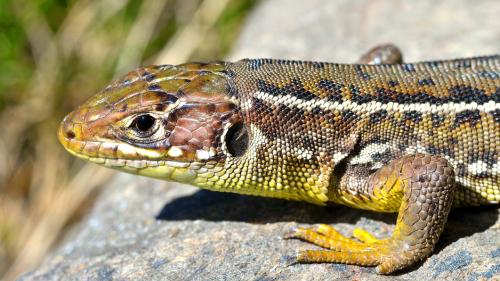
[[364, 249], [420, 187]]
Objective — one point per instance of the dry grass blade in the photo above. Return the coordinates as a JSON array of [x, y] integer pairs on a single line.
[[185, 42], [42, 188], [139, 35], [53, 201]]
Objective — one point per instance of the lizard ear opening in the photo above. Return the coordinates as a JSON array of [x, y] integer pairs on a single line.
[[237, 139]]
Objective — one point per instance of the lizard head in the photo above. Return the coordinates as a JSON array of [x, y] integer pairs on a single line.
[[169, 122], [197, 123]]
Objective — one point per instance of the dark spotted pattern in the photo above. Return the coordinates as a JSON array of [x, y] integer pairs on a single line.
[[382, 157], [490, 74], [473, 117], [437, 119], [421, 88], [496, 115], [426, 81], [468, 94], [413, 116], [378, 116], [408, 67], [489, 157], [361, 73], [332, 89], [295, 89], [392, 83]]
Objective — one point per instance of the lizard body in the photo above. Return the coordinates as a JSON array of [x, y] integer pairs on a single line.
[[407, 138]]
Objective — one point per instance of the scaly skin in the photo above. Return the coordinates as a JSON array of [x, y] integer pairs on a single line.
[[408, 138]]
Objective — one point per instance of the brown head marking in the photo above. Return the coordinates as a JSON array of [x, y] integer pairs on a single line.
[[160, 113]]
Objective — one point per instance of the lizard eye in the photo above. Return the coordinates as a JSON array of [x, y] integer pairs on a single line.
[[237, 139], [144, 125]]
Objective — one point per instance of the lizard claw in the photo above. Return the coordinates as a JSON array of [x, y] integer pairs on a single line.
[[291, 260], [291, 234]]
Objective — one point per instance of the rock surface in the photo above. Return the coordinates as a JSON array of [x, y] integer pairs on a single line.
[[144, 229]]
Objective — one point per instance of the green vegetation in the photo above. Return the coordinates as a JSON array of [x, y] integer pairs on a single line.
[[53, 55]]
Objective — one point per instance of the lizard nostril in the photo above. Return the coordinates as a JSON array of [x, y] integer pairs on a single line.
[[70, 134]]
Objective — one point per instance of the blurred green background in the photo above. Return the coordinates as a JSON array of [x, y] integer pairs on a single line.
[[53, 55]]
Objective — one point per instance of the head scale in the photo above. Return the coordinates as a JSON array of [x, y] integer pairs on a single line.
[[162, 121]]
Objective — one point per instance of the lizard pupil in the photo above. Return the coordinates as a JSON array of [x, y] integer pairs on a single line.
[[144, 123]]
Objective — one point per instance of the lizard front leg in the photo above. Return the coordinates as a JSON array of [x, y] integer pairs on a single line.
[[419, 187]]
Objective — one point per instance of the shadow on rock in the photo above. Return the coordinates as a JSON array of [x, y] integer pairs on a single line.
[[464, 222], [218, 206]]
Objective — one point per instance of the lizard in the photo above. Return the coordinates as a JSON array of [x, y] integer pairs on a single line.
[[409, 138]]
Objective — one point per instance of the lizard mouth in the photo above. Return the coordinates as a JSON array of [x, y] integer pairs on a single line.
[[127, 158]]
